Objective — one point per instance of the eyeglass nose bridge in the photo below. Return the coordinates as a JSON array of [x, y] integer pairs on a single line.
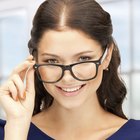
[[66, 67], [69, 68]]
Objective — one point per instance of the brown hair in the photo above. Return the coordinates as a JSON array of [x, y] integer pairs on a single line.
[[89, 17]]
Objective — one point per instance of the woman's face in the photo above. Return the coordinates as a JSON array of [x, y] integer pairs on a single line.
[[68, 47]]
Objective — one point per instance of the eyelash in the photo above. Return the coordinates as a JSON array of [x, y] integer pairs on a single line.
[[81, 59], [51, 61], [85, 58]]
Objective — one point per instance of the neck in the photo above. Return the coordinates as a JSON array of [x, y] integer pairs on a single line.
[[85, 115], [79, 122]]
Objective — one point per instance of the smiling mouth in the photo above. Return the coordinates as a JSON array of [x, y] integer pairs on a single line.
[[70, 91]]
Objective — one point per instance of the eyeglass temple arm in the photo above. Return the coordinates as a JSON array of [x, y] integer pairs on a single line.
[[104, 55]]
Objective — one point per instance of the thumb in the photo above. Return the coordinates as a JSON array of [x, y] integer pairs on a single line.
[[30, 86]]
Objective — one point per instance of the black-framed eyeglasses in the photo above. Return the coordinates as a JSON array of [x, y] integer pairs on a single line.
[[82, 71]]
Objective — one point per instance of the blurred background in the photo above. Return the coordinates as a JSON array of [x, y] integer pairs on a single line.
[[16, 22]]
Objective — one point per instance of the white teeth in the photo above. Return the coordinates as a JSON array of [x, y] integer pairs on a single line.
[[71, 89]]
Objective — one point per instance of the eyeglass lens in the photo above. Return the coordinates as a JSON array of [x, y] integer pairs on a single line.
[[52, 73]]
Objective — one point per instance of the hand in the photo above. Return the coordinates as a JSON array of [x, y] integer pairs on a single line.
[[16, 98]]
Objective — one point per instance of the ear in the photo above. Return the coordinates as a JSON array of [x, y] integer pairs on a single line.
[[108, 57]]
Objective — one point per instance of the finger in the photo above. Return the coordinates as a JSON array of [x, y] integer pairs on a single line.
[[30, 91], [30, 80], [12, 90], [30, 58], [23, 66], [19, 85]]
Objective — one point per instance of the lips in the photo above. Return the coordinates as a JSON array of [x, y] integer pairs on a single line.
[[70, 91]]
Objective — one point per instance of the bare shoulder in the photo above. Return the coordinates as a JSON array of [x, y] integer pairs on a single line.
[[129, 129], [117, 122], [113, 123]]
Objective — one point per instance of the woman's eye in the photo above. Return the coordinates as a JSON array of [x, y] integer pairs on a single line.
[[51, 61], [85, 58]]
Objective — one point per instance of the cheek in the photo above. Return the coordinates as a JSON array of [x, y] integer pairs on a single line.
[[49, 88], [95, 83]]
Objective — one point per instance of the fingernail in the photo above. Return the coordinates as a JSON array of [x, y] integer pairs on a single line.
[[16, 98], [24, 95], [32, 61], [30, 56]]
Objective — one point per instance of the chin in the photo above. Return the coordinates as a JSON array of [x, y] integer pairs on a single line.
[[72, 105]]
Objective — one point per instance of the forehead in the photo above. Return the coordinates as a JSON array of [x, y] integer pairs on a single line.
[[66, 40]]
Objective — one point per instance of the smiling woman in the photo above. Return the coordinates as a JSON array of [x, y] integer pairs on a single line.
[[73, 89]]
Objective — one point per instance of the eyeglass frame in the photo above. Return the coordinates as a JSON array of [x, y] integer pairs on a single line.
[[69, 67]]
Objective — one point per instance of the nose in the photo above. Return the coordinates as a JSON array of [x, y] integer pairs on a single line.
[[67, 77]]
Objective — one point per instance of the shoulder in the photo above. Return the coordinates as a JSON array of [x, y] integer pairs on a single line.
[[129, 131], [133, 124], [2, 124], [132, 130], [34, 132]]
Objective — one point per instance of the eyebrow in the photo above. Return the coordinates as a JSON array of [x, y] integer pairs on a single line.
[[85, 52], [80, 53], [50, 54]]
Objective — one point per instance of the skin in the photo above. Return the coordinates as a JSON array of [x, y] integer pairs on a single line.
[[80, 115], [17, 100], [72, 117]]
